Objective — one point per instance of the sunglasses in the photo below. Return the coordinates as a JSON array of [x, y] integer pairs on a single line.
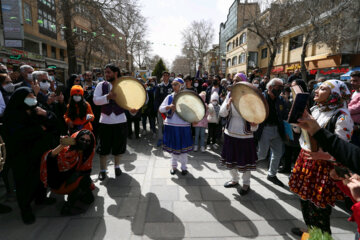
[[85, 140]]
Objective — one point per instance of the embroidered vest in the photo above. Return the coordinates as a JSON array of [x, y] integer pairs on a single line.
[[111, 107]]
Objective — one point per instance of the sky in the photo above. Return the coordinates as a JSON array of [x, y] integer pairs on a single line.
[[167, 18]]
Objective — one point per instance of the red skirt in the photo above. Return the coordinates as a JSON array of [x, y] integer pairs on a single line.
[[310, 179]]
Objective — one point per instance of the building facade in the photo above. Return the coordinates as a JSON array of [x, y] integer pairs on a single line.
[[212, 61]]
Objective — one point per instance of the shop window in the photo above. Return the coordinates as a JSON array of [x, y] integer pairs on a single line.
[[264, 53], [296, 42], [44, 49], [234, 61], [53, 52], [242, 38], [242, 58], [27, 14]]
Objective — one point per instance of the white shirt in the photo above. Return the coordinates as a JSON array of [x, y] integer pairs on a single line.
[[175, 120], [100, 99]]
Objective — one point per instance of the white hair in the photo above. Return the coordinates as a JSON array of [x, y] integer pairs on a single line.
[[37, 74], [272, 82], [24, 67]]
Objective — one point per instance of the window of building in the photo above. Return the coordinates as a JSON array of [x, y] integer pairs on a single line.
[[252, 59], [234, 61], [229, 47], [53, 52], [242, 38], [264, 53], [279, 48], [44, 49], [296, 42], [228, 63], [62, 54], [27, 13], [31, 46], [79, 8], [237, 42], [47, 18], [242, 58], [81, 33]]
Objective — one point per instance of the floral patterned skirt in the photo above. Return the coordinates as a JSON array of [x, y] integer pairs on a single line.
[[310, 179]]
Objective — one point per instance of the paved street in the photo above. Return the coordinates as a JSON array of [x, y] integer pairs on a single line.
[[146, 202]]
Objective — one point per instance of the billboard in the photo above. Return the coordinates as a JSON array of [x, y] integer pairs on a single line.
[[13, 23]]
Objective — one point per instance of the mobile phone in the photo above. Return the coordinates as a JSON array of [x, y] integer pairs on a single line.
[[67, 141], [298, 107], [342, 171]]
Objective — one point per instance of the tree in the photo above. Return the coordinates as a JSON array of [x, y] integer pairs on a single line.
[[141, 53], [271, 23], [159, 69], [197, 39], [326, 22], [181, 64]]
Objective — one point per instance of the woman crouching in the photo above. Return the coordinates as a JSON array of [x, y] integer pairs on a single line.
[[66, 170]]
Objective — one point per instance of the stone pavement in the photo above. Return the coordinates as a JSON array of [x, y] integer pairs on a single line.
[[146, 202]]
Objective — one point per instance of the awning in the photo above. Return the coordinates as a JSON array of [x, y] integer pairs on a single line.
[[346, 76]]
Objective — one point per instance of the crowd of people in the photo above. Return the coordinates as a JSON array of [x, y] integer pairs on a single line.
[[52, 132]]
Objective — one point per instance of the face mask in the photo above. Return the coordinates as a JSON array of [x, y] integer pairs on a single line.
[[82, 145], [31, 102], [81, 79], [214, 103], [52, 78], [10, 87], [196, 84], [100, 79], [30, 77], [276, 92], [44, 86], [256, 85], [77, 98]]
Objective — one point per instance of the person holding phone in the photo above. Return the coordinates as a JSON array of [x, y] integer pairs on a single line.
[[66, 170], [79, 114], [310, 178]]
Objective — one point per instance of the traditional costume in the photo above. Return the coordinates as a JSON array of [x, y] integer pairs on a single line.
[[310, 179], [239, 151], [177, 138]]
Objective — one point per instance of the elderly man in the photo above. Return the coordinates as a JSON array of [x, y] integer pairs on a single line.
[[26, 79], [42, 78], [271, 131], [354, 106]]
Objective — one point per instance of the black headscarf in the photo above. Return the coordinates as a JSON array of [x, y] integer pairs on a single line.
[[16, 102]]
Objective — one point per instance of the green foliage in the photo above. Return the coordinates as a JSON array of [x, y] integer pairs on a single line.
[[317, 234], [159, 69]]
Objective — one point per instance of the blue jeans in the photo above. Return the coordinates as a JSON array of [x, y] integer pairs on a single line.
[[270, 138], [200, 131]]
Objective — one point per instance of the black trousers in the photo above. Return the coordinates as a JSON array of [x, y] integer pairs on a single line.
[[113, 138], [315, 216], [213, 132], [136, 122]]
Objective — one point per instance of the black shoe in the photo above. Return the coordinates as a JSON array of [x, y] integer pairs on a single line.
[[283, 169], [4, 209], [88, 198], [298, 231], [184, 172], [231, 184], [45, 201], [243, 192], [275, 180], [102, 176], [173, 171], [28, 217], [118, 172]]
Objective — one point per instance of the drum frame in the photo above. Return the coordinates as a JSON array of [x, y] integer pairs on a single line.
[[259, 93], [193, 93], [120, 79]]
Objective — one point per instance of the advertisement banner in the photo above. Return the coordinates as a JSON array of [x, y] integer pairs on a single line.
[[13, 23]]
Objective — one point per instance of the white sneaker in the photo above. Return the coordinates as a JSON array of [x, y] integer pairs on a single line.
[[202, 149], [215, 146], [196, 148]]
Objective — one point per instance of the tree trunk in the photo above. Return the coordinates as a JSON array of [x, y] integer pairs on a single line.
[[303, 56], [271, 62], [69, 37]]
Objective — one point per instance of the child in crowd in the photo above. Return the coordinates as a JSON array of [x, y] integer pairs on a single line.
[[200, 128], [213, 120]]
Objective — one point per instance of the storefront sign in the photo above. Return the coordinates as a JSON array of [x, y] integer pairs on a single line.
[[277, 69], [293, 67], [328, 71]]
